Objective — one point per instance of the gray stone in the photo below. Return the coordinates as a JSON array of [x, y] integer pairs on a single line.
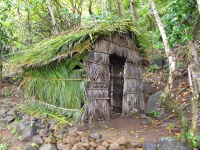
[[2, 113], [148, 145], [29, 147], [144, 121], [38, 140], [114, 146], [78, 147], [11, 112], [20, 127], [95, 136], [169, 143], [153, 103], [8, 119], [48, 147], [28, 133], [157, 60]]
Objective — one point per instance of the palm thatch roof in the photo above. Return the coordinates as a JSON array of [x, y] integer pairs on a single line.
[[72, 42]]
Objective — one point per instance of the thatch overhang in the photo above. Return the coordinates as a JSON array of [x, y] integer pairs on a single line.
[[67, 44]]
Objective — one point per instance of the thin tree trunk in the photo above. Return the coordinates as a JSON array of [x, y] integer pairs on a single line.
[[52, 17], [21, 24], [1, 63], [120, 8], [193, 74], [133, 10], [90, 7], [105, 7], [29, 24], [165, 97], [198, 2]]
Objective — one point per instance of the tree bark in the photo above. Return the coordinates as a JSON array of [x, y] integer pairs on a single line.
[[21, 24], [90, 7], [194, 74], [29, 24], [133, 10], [198, 2], [1, 63], [52, 17], [119, 3]]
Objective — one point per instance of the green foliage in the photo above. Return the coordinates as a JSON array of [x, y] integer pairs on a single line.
[[57, 86], [63, 116], [155, 114], [193, 140], [3, 146]]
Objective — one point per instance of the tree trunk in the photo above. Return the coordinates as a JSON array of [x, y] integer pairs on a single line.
[[120, 8], [52, 17], [21, 24], [29, 23], [105, 7], [194, 74], [133, 10], [165, 97], [90, 7], [198, 2], [1, 63]]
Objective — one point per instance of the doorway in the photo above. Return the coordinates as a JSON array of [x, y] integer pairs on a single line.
[[116, 82]]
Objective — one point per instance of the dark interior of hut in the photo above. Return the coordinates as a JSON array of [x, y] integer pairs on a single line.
[[116, 82]]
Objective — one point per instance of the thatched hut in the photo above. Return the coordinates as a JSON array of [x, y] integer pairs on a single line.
[[97, 68]]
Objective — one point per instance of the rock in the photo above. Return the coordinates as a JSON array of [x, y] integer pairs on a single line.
[[45, 132], [122, 141], [48, 147], [28, 133], [2, 113], [169, 143], [62, 146], [93, 144], [148, 145], [157, 59], [99, 141], [105, 144], [80, 133], [50, 139], [144, 121], [59, 134], [143, 116], [8, 119], [29, 147], [86, 145], [71, 140], [38, 140], [114, 146], [72, 133], [152, 103], [11, 112], [84, 140], [95, 136], [100, 147], [20, 127], [78, 147]]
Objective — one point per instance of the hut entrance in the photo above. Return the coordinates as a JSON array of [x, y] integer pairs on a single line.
[[116, 82]]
